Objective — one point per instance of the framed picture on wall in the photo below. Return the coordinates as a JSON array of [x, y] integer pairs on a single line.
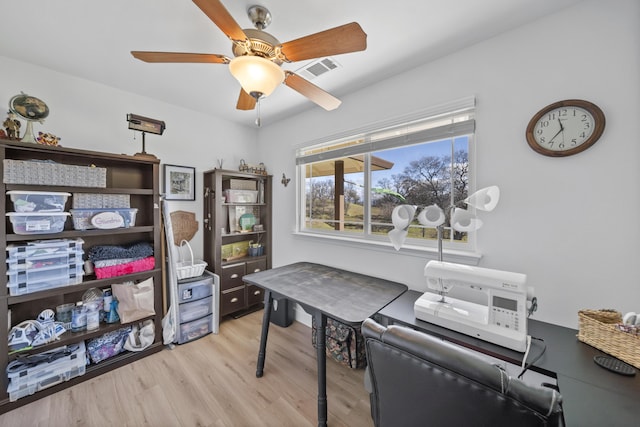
[[179, 182]]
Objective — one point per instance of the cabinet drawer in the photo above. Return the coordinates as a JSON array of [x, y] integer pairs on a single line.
[[232, 301], [194, 310], [255, 295], [257, 265], [231, 276]]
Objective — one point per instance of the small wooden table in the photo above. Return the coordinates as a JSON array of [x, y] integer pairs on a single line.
[[322, 292]]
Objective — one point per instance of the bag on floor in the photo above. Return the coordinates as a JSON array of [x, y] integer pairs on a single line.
[[344, 343]]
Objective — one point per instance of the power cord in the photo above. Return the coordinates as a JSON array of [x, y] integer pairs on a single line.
[[534, 306], [525, 366]]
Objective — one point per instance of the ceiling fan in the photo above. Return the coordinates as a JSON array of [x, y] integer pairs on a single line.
[[258, 55]]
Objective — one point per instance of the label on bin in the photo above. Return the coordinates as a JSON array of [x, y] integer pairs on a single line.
[[42, 225], [107, 220]]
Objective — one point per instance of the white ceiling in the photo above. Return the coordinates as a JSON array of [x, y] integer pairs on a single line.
[[92, 40]]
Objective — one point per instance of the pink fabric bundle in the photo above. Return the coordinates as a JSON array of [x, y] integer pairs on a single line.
[[136, 266]]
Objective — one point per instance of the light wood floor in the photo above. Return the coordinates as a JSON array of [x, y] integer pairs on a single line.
[[211, 382]]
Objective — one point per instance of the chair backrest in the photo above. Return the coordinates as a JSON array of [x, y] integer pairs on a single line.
[[421, 380]]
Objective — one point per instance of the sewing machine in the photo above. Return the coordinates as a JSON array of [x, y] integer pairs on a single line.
[[502, 319]]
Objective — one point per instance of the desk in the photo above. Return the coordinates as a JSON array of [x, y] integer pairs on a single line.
[[592, 396], [323, 292]]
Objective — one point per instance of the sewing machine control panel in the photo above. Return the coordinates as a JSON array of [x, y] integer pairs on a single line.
[[504, 312]]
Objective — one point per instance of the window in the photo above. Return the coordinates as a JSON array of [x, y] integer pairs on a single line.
[[349, 185]]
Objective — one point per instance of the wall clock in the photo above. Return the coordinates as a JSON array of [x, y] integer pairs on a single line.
[[565, 128]]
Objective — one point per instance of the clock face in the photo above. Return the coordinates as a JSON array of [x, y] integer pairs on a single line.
[[565, 128]]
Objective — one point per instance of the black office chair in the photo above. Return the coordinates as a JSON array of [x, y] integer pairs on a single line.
[[420, 380]]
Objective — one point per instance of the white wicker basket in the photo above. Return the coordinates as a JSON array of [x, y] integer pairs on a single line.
[[189, 268]]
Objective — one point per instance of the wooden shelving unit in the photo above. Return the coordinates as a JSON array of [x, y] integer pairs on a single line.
[[235, 296], [132, 175]]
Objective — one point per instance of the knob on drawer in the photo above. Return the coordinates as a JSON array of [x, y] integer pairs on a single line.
[[234, 276], [256, 270], [256, 292], [234, 299]]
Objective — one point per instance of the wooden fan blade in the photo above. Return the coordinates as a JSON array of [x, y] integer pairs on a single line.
[[344, 39], [222, 18], [180, 57], [245, 101], [311, 91]]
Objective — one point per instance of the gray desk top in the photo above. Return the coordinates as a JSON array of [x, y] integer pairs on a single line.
[[343, 295]]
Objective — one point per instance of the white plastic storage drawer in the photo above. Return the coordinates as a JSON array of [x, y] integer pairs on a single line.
[[196, 329], [25, 380], [195, 310], [41, 247], [194, 290], [45, 261], [25, 282]]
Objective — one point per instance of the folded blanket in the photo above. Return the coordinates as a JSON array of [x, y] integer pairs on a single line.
[[110, 262], [136, 250], [128, 268]]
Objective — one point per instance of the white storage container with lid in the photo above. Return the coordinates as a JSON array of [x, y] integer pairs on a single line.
[[87, 219], [38, 201], [44, 247], [65, 363], [45, 260], [25, 282], [37, 222]]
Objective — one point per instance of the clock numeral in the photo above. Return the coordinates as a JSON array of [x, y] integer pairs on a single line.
[[584, 118], [544, 123], [562, 113]]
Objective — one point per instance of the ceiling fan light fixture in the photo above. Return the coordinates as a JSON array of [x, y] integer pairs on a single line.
[[257, 76]]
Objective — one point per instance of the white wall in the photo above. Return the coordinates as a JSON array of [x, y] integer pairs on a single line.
[[560, 220], [91, 116]]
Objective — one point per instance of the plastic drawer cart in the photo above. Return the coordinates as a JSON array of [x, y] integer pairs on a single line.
[[198, 307]]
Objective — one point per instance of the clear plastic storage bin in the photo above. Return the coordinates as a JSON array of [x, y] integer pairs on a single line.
[[43, 247], [87, 219], [38, 201], [26, 282], [25, 379], [37, 223], [45, 260], [241, 196]]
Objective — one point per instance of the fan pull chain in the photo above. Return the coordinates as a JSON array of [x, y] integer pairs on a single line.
[[258, 123]]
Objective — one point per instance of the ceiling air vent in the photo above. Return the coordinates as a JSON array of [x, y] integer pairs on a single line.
[[317, 68]]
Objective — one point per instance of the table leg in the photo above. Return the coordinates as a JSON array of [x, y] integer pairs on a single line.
[[321, 323], [266, 318]]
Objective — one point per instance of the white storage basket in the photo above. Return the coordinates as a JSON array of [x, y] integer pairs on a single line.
[[189, 268]]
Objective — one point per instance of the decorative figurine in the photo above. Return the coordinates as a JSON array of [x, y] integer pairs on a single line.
[[12, 126], [47, 138]]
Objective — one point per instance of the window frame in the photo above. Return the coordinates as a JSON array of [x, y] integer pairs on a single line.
[[415, 133]]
